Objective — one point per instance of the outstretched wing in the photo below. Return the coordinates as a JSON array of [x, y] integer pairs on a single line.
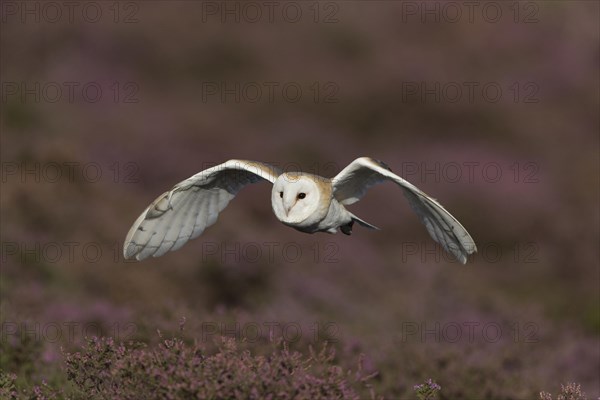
[[185, 211], [351, 184]]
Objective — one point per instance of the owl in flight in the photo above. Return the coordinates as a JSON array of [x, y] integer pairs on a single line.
[[306, 202]]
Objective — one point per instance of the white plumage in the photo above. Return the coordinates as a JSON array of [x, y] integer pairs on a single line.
[[306, 202]]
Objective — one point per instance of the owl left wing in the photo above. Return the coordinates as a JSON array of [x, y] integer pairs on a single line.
[[185, 211], [351, 184]]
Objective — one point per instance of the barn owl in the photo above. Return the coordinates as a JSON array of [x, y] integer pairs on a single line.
[[306, 202]]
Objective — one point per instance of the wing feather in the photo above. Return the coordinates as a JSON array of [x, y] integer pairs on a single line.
[[194, 204], [351, 184], [201, 218], [175, 226], [157, 229], [187, 229]]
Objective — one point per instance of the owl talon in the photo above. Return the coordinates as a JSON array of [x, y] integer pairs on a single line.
[[347, 229]]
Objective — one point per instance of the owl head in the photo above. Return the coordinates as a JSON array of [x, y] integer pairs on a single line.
[[298, 199]]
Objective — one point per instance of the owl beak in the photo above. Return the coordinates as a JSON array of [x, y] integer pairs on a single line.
[[288, 205], [288, 208]]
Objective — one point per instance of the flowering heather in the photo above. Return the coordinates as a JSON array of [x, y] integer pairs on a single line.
[[174, 370], [572, 391], [427, 390], [9, 391]]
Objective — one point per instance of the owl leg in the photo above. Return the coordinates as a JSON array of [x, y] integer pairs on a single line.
[[347, 229]]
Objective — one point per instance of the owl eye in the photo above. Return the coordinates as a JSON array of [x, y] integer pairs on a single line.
[[301, 195], [281, 194]]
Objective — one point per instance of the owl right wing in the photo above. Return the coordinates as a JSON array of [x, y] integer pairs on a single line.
[[191, 206]]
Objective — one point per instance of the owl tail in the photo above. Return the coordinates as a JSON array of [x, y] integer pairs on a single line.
[[364, 223], [347, 229]]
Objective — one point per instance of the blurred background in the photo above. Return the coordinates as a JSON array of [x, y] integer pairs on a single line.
[[492, 108]]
